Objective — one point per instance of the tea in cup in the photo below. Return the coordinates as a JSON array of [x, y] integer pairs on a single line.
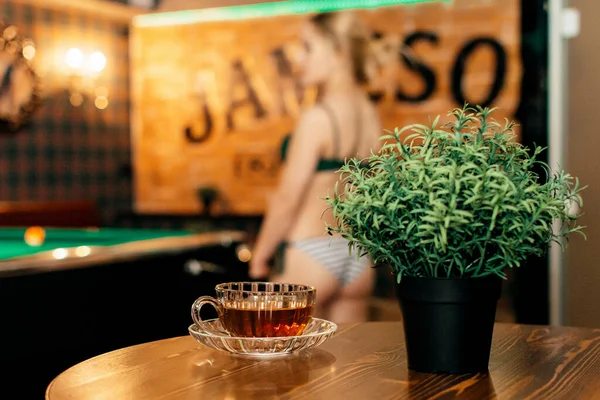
[[260, 309]]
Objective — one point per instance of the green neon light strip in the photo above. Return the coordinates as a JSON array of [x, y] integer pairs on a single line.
[[262, 10]]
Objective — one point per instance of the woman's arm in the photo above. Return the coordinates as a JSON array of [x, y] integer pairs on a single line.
[[303, 156]]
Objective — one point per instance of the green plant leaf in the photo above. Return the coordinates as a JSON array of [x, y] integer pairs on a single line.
[[462, 200]]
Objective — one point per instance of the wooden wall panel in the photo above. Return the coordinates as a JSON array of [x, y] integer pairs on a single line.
[[200, 76]]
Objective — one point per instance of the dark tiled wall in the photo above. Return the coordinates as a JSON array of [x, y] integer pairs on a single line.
[[70, 153]]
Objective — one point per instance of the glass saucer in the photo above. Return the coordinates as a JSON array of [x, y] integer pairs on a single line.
[[211, 333]]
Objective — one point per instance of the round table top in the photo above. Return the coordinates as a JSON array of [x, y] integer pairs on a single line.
[[363, 361]]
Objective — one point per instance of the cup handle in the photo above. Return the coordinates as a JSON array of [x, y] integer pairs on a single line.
[[200, 301]]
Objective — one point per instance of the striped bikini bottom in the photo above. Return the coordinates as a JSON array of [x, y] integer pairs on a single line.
[[333, 254]]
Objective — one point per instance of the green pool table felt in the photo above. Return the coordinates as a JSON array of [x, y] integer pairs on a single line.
[[12, 242]]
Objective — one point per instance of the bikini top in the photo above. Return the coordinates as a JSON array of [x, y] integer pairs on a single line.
[[326, 164]]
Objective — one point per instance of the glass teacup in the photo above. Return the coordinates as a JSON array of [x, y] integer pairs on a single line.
[[260, 309]]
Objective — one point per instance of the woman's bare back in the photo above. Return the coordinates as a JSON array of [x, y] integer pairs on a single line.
[[359, 129]]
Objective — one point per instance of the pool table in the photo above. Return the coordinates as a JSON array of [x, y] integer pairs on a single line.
[[76, 248], [83, 292], [12, 243]]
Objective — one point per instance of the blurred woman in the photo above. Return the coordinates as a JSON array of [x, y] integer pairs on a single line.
[[341, 125]]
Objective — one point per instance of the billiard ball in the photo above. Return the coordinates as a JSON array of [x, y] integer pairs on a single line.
[[35, 235]]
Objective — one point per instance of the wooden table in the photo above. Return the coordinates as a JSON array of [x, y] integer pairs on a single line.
[[365, 361]]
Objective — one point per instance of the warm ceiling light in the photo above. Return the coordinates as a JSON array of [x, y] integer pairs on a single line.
[[76, 99], [101, 102], [10, 33], [97, 61], [74, 58], [28, 51]]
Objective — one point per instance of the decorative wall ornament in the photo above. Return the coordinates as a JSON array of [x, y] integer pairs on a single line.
[[83, 72], [19, 83]]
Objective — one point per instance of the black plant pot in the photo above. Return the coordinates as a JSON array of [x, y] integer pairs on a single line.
[[448, 323]]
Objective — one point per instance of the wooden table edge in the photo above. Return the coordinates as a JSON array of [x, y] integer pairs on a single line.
[[342, 329]]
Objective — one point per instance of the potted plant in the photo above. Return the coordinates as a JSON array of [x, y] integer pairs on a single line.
[[449, 209]]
